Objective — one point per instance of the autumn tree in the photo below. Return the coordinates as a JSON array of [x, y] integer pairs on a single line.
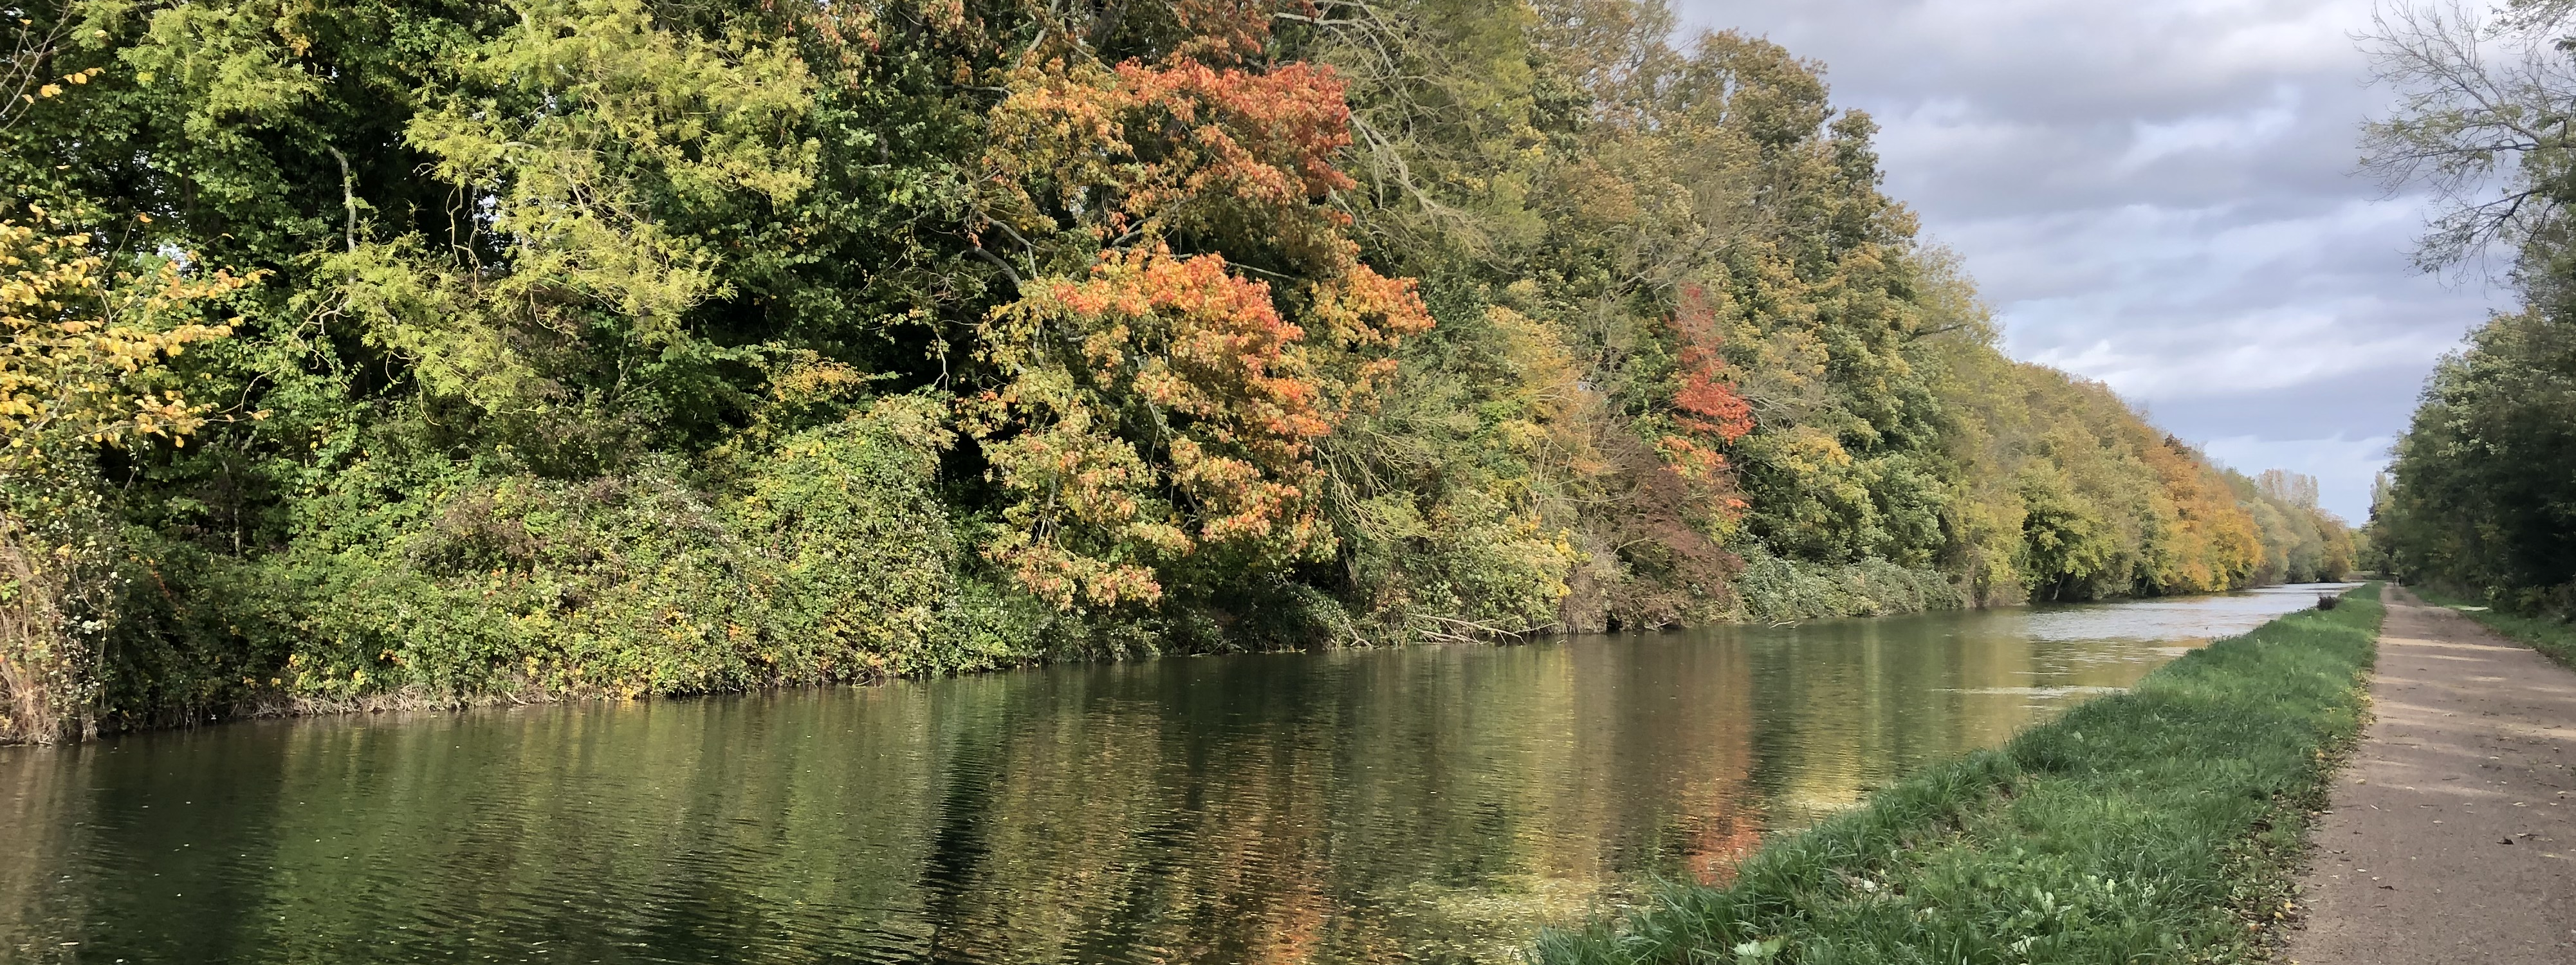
[[84, 346], [617, 348], [1158, 410]]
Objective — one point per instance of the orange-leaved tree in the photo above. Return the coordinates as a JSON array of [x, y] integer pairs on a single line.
[[1156, 406], [1707, 410]]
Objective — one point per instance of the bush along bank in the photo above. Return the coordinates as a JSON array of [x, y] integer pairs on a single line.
[[2158, 825]]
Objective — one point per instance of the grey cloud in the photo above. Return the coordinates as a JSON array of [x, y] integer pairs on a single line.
[[2158, 196], [2317, 410]]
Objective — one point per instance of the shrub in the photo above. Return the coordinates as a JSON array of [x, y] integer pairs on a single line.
[[832, 561]]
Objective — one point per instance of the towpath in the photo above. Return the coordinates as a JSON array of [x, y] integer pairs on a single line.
[[2452, 837]]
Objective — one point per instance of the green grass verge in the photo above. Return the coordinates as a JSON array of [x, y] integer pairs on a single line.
[[2163, 824], [2551, 636]]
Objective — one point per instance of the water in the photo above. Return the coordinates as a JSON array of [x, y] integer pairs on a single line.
[[1426, 804]]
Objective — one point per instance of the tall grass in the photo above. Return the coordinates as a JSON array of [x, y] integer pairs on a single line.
[[2157, 825]]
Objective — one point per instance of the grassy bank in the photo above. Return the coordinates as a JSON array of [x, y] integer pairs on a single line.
[[2161, 824], [2551, 636]]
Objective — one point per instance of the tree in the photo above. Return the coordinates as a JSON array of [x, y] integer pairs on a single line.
[[83, 367], [2479, 496], [615, 348], [1158, 413]]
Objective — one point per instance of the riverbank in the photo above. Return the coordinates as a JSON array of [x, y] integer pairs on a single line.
[[2163, 822], [445, 652]]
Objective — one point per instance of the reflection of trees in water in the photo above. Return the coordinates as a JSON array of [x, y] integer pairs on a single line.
[[763, 829], [1724, 832], [1852, 705], [37, 844], [1435, 803], [1423, 802]]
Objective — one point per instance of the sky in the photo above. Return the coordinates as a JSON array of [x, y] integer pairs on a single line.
[[2160, 196]]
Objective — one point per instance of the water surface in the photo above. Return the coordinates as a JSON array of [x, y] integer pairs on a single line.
[[1424, 804]]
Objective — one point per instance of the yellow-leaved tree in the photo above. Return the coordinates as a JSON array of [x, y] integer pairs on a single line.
[[84, 365]]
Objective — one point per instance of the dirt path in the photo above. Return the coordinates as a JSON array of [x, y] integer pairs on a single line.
[[2453, 834]]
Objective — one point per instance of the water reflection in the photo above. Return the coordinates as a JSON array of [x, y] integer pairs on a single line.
[[1430, 804]]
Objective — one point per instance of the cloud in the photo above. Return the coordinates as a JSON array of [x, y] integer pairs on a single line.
[[2229, 132], [2159, 196]]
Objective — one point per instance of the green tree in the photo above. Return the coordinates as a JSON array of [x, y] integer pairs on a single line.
[[2479, 497]]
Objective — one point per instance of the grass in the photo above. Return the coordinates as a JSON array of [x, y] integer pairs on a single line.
[[2163, 824], [2553, 637]]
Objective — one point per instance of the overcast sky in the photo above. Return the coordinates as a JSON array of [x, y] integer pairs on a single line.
[[2159, 195]]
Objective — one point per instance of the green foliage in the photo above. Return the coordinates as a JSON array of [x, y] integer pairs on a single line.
[[1697, 217], [829, 560], [2479, 499], [1454, 498], [2301, 543], [2065, 493], [2156, 824], [602, 347], [585, 134], [86, 369], [1777, 590], [2554, 636]]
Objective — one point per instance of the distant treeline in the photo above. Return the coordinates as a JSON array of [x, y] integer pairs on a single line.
[[377, 353], [2482, 496]]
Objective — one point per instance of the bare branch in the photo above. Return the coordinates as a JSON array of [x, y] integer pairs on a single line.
[[2483, 121]]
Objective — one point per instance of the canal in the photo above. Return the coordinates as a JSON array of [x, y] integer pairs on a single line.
[[1422, 804]]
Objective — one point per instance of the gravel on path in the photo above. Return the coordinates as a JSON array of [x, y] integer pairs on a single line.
[[2452, 835]]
